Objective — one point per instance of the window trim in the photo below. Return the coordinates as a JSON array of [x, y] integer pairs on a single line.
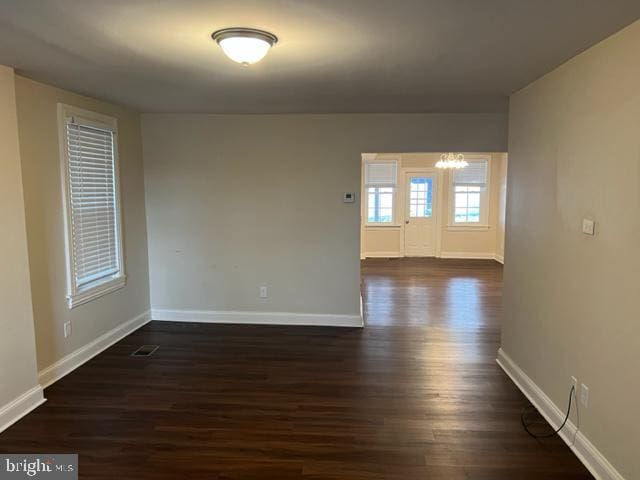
[[485, 201], [79, 296], [393, 208], [394, 195]]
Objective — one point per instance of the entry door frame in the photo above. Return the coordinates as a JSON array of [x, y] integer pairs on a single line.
[[437, 211]]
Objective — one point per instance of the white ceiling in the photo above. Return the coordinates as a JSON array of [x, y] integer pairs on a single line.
[[333, 55]]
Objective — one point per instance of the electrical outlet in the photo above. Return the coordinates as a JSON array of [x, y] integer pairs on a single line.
[[574, 384], [588, 226], [263, 292], [584, 395], [67, 329]]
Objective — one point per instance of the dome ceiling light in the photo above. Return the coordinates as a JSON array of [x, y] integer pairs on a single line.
[[244, 45]]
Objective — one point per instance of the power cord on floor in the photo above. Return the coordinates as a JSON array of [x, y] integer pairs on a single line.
[[555, 432]]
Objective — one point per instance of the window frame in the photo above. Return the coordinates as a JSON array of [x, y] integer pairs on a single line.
[[393, 205], [483, 224], [394, 194], [80, 295]]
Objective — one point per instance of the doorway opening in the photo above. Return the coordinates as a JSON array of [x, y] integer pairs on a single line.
[[410, 208]]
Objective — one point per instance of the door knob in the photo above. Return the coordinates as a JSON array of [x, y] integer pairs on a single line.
[[406, 221]]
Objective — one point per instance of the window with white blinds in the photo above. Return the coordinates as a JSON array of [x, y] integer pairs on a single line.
[[380, 179], [469, 191], [93, 225]]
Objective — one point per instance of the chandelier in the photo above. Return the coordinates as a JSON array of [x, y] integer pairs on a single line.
[[451, 160]]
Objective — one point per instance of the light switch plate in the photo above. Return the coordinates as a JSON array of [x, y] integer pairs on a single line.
[[588, 226], [67, 329]]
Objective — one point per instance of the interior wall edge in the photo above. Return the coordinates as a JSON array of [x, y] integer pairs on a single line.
[[19, 389], [570, 298]]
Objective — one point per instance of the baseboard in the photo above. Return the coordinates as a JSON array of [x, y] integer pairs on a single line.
[[19, 407], [469, 255], [382, 255], [586, 452], [66, 365], [460, 255], [259, 318]]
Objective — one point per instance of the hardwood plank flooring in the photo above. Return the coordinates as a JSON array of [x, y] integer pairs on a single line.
[[415, 395]]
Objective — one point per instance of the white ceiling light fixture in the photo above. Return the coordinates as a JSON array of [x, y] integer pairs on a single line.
[[451, 160], [244, 45]]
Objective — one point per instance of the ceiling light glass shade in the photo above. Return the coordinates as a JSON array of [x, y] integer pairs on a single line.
[[451, 160], [244, 45]]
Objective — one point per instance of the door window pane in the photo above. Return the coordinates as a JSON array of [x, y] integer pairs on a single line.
[[420, 197]]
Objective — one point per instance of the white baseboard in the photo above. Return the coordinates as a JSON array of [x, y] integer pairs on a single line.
[[19, 407], [258, 318], [382, 255], [586, 452], [469, 255], [450, 255], [67, 364]]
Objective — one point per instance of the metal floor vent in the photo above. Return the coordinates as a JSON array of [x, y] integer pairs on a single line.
[[145, 351]]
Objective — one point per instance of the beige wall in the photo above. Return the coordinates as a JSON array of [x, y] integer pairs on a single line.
[[571, 300], [239, 201], [387, 241], [37, 120], [18, 372]]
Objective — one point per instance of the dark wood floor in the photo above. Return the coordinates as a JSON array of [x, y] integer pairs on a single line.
[[415, 395]]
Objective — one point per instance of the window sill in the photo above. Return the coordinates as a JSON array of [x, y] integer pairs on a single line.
[[86, 296], [467, 228]]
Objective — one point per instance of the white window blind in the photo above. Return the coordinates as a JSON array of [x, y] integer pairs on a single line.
[[475, 174], [470, 195], [93, 204], [383, 174]]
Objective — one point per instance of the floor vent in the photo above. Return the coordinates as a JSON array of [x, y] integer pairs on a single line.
[[145, 351]]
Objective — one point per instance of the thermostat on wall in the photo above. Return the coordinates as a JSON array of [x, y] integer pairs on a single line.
[[348, 197]]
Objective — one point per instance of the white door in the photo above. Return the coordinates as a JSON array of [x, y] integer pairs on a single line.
[[420, 221]]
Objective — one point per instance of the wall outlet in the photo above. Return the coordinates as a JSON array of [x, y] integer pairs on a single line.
[[584, 395], [67, 329], [574, 384], [588, 226], [263, 292]]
